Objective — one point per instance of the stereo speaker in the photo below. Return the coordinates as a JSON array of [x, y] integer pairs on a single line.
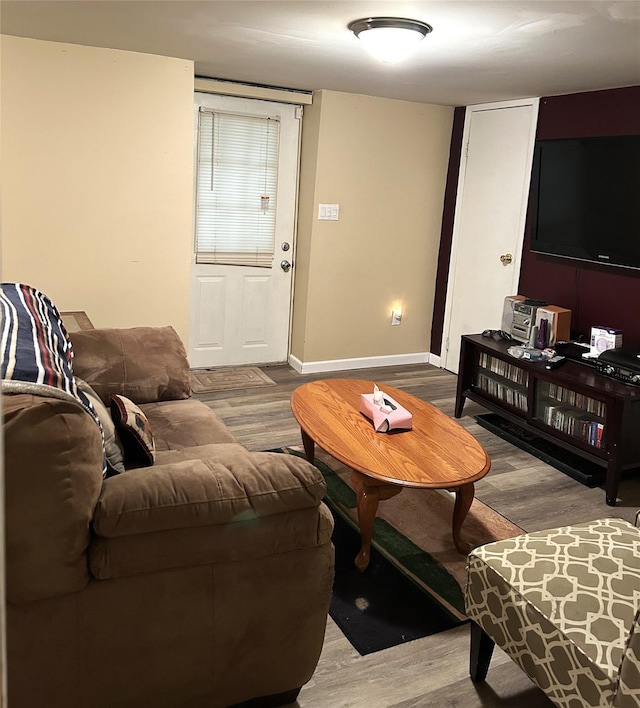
[[559, 319]]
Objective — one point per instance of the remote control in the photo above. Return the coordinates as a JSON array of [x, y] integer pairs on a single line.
[[555, 362]]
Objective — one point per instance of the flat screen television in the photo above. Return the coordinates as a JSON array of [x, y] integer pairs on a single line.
[[585, 199]]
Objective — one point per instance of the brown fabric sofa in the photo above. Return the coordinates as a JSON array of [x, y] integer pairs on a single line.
[[203, 580]]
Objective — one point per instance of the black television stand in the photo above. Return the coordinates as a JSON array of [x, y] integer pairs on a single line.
[[587, 414]]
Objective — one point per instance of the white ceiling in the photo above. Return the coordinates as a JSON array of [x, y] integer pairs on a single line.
[[479, 50]]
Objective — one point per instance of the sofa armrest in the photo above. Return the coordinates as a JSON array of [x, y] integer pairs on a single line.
[[145, 364], [52, 479], [220, 484]]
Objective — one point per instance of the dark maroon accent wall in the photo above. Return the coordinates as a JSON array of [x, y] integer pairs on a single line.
[[446, 233], [596, 294]]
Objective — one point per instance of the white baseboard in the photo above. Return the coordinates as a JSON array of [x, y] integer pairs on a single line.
[[319, 367]]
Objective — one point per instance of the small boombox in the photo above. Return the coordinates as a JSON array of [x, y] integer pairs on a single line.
[[524, 319], [520, 317]]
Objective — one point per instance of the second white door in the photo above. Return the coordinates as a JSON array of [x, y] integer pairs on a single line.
[[489, 220], [241, 314]]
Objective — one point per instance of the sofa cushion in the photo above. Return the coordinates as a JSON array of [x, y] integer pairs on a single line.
[[135, 431], [142, 363], [112, 444], [180, 424]]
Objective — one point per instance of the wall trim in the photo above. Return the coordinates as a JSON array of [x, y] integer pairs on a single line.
[[369, 362]]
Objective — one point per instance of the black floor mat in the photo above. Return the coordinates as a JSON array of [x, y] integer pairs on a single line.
[[380, 607], [584, 471]]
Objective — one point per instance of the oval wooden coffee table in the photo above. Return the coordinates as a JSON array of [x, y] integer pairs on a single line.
[[438, 453]]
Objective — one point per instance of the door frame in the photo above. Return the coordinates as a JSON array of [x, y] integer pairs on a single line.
[[456, 236], [291, 254]]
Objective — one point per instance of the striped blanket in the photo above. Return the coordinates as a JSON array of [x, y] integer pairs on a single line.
[[36, 352]]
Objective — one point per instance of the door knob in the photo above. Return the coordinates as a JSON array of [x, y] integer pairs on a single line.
[[285, 265], [506, 258]]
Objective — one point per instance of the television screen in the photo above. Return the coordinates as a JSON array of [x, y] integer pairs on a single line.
[[585, 199]]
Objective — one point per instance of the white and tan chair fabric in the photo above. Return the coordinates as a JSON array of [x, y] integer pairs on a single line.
[[563, 604]]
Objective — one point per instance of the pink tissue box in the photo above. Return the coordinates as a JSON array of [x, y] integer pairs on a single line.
[[384, 417]]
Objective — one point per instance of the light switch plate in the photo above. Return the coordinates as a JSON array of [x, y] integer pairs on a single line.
[[328, 212]]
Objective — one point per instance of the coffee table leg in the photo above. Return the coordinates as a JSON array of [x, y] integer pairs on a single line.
[[464, 498], [309, 446], [369, 493], [368, 500]]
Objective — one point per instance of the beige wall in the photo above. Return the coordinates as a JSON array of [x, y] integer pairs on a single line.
[[97, 180], [385, 163], [97, 199]]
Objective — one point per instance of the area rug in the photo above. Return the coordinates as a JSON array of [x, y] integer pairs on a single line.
[[413, 531], [228, 379]]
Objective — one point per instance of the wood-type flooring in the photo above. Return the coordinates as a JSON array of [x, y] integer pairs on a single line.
[[429, 672]]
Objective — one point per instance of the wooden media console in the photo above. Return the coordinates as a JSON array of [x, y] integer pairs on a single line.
[[574, 407]]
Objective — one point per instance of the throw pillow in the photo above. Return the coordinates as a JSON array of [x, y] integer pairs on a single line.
[[134, 430], [112, 445]]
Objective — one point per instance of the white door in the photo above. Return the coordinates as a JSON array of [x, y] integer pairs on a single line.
[[491, 207], [241, 314]]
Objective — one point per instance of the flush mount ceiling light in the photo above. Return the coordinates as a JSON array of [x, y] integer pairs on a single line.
[[390, 39]]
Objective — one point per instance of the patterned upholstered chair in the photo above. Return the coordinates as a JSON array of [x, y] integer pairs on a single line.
[[563, 604]]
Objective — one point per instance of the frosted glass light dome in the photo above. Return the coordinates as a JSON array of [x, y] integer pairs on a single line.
[[390, 39]]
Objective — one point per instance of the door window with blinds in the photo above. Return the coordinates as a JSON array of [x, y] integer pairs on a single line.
[[236, 185]]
